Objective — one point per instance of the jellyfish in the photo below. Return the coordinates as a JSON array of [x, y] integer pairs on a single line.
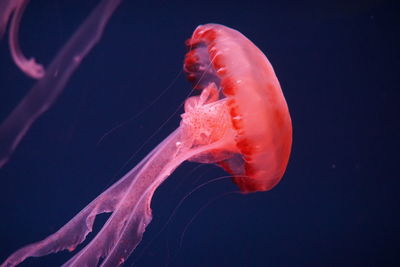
[[51, 82], [239, 121]]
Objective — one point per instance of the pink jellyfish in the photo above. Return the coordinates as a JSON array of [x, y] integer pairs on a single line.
[[239, 121]]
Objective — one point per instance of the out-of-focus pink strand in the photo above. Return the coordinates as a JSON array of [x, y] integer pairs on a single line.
[[46, 91]]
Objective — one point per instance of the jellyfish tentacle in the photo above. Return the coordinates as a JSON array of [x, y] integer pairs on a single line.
[[28, 66], [46, 91], [7, 7]]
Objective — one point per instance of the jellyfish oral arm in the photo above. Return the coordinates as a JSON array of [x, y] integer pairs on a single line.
[[129, 200], [75, 231], [125, 228]]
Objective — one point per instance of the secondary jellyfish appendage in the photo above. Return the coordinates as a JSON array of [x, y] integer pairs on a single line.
[[47, 89], [11, 12]]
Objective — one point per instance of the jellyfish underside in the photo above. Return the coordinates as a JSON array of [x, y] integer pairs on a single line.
[[205, 135]]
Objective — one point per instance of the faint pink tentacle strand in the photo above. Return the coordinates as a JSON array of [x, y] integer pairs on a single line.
[[45, 92], [16, 9], [7, 7], [28, 66]]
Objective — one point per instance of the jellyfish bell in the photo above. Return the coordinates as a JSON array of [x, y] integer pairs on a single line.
[[253, 98], [239, 121]]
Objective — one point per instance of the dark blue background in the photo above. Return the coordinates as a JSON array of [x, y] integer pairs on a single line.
[[338, 64]]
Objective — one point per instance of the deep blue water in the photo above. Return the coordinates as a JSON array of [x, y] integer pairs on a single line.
[[338, 65]]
